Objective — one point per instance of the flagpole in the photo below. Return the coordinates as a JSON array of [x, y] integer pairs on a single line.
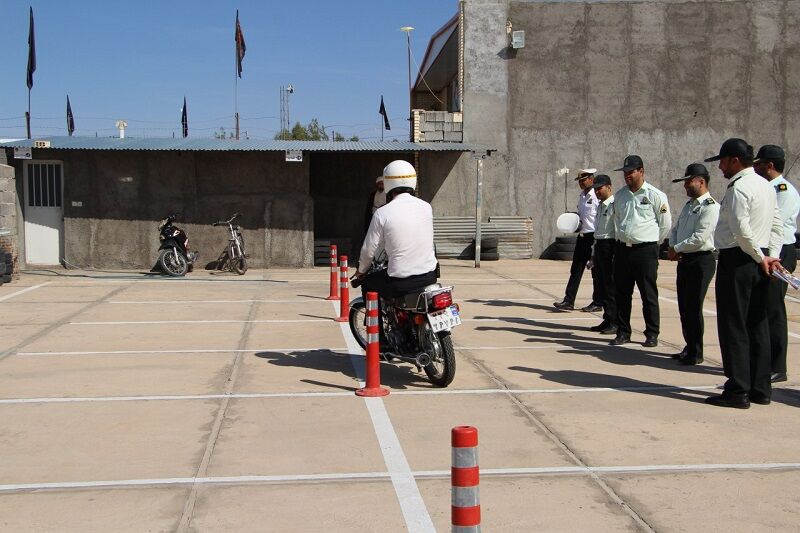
[[28, 115], [236, 77]]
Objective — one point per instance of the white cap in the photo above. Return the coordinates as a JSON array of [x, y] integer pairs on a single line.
[[582, 171], [379, 178]]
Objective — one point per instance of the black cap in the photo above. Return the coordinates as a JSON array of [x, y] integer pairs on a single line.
[[600, 180], [771, 152], [632, 162], [695, 169], [733, 148]]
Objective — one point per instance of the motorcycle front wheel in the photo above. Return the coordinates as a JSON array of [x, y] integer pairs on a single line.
[[174, 264], [356, 318], [442, 369]]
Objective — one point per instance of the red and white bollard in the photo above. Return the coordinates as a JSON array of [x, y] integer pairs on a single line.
[[344, 289], [373, 387], [465, 476], [334, 293]]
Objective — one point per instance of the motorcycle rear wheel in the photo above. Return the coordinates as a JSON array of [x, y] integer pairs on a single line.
[[358, 313], [442, 369], [172, 263], [239, 265]]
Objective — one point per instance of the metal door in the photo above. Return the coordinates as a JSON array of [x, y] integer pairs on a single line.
[[44, 212]]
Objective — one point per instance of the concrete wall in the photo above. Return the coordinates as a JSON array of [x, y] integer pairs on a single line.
[[9, 241], [667, 80], [124, 195]]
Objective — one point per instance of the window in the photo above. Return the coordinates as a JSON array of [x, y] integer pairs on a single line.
[[44, 185]]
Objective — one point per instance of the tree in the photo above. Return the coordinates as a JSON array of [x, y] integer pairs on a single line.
[[354, 138], [313, 132], [316, 131], [338, 137]]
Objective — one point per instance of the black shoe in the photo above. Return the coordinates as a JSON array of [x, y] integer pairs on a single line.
[[650, 342], [689, 360], [600, 327], [680, 355], [592, 308], [619, 340], [609, 330], [721, 400], [777, 377], [564, 306], [760, 400]]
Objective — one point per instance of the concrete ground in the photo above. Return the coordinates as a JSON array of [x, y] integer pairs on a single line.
[[225, 403]]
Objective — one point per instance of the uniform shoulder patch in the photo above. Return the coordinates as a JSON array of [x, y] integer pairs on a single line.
[[664, 208], [709, 201], [781, 187]]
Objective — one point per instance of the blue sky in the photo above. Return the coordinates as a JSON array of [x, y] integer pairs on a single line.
[[136, 61]]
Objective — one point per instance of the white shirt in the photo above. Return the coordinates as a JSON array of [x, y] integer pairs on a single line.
[[749, 217], [788, 205], [694, 231], [404, 229], [587, 210], [378, 200], [605, 220], [641, 216]]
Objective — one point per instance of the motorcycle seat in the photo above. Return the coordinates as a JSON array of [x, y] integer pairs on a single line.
[[413, 300]]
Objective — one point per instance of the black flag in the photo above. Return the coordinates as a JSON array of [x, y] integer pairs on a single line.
[[70, 119], [240, 46], [31, 53], [184, 119], [382, 111]]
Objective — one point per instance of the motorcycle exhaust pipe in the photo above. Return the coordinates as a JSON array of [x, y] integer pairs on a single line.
[[423, 359]]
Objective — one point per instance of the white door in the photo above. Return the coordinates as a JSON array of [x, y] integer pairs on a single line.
[[44, 212]]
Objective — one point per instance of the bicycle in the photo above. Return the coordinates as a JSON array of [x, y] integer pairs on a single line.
[[233, 257]]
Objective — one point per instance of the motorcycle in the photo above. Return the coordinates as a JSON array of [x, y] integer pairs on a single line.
[[174, 257], [417, 328], [232, 257]]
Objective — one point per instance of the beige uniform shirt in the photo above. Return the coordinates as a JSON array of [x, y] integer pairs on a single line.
[[694, 231], [642, 216]]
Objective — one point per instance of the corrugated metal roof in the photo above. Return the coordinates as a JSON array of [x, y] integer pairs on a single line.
[[113, 143]]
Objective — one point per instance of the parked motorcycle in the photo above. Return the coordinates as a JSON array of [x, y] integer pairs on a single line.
[[174, 257], [233, 256], [416, 327]]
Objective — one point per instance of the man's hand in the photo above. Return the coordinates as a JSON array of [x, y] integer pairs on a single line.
[[673, 255], [768, 264], [360, 275]]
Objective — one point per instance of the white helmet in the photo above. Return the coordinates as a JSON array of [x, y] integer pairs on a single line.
[[399, 174]]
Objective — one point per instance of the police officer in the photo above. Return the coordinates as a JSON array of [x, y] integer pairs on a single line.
[[587, 211], [749, 227], [603, 254], [376, 199], [642, 220], [769, 164], [692, 245]]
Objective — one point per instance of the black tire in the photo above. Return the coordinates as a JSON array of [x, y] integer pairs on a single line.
[[567, 239], [442, 377], [559, 247], [490, 256], [239, 265], [561, 256], [358, 328], [172, 263], [488, 243]]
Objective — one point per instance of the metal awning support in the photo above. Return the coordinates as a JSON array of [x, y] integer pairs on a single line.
[[479, 156]]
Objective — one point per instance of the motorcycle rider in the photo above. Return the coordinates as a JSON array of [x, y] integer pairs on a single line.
[[403, 228]]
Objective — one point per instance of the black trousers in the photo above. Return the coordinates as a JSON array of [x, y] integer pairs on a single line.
[[637, 265], [581, 255], [741, 291], [388, 287], [695, 271], [776, 312], [604, 273]]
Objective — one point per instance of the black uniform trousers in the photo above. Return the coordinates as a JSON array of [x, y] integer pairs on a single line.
[[637, 264], [741, 290], [581, 255], [695, 271], [776, 312], [604, 273]]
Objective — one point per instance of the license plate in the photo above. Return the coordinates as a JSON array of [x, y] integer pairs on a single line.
[[444, 319]]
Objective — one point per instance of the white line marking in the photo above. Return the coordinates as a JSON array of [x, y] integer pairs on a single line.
[[405, 486], [300, 478], [330, 394], [152, 322], [23, 291], [197, 351], [521, 320], [184, 302], [489, 300], [712, 313]]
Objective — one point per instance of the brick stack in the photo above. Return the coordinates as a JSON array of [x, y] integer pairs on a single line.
[[9, 266], [438, 126]]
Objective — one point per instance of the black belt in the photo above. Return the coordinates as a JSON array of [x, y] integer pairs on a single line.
[[636, 245], [697, 254], [587, 234], [737, 250]]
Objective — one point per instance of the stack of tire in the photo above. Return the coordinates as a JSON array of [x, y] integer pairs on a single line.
[[6, 267], [489, 250], [563, 248]]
